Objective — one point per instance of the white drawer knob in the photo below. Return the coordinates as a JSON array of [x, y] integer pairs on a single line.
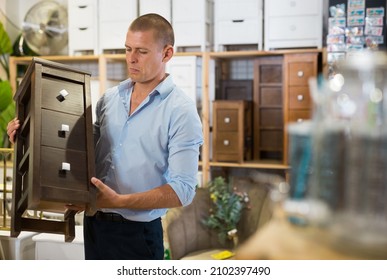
[[65, 128], [227, 120], [226, 142], [64, 92], [66, 166], [300, 73], [300, 97], [300, 120]]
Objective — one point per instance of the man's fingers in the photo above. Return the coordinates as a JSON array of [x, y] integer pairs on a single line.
[[96, 182]]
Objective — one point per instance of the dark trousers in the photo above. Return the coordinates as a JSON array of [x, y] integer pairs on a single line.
[[111, 237]]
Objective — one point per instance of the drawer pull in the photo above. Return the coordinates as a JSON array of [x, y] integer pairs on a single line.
[[62, 94], [300, 97], [66, 166], [226, 142], [300, 120], [237, 20], [227, 120], [82, 6], [82, 28], [63, 129], [300, 73]]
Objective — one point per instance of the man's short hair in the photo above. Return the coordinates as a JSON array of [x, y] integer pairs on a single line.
[[162, 27]]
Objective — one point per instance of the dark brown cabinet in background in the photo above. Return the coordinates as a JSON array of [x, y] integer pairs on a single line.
[[268, 108], [54, 149]]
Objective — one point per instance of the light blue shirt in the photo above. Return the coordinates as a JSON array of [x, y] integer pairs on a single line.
[[157, 144]]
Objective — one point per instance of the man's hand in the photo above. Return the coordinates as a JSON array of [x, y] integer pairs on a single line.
[[12, 127], [106, 197]]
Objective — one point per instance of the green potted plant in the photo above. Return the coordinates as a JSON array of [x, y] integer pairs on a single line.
[[7, 105], [226, 209]]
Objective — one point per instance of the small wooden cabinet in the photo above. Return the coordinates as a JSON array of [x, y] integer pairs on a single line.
[[54, 148], [232, 139]]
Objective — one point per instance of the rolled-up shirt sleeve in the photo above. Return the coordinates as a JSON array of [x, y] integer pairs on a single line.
[[186, 137]]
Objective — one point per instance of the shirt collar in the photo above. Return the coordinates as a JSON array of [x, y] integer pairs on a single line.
[[164, 88]]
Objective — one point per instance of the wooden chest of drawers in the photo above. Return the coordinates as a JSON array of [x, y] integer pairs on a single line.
[[232, 130], [54, 148], [298, 103], [299, 68]]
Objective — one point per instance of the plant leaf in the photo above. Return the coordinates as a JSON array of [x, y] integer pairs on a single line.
[[5, 116], [5, 41], [5, 95]]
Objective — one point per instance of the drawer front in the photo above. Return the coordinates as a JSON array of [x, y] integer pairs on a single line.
[[72, 103], [52, 174], [294, 28], [236, 10], [294, 7], [112, 35], [227, 120], [73, 4], [81, 15], [270, 117], [244, 31], [299, 98], [188, 10], [270, 74], [271, 96], [55, 134], [227, 142], [82, 38], [189, 33], [300, 72], [114, 10], [271, 140], [299, 115], [161, 7]]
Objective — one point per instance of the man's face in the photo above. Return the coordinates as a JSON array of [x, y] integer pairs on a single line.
[[144, 56]]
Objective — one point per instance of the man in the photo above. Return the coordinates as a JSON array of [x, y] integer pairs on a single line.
[[147, 138]]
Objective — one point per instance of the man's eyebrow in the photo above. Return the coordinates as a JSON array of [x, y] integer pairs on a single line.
[[138, 48]]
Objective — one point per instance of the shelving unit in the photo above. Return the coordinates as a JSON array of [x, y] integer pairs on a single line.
[[213, 64]]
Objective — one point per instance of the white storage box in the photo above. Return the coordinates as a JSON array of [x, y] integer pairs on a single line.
[[293, 24], [50, 246], [238, 23], [18, 248]]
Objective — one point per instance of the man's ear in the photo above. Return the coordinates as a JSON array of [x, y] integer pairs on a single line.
[[168, 53]]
